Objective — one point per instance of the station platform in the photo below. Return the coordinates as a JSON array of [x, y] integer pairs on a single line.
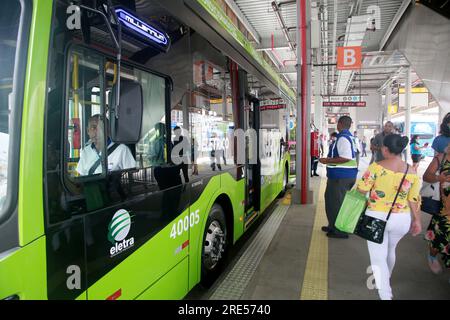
[[288, 257]]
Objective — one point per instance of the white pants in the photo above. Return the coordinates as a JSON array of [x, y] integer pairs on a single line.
[[382, 256]]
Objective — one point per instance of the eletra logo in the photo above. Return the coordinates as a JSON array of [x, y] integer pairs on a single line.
[[119, 226], [118, 230]]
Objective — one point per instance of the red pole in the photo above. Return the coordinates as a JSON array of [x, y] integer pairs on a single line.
[[304, 116]]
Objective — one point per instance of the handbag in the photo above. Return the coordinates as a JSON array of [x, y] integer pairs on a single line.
[[372, 229], [352, 207], [431, 196], [431, 206]]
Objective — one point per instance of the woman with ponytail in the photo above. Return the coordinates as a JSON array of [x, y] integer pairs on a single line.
[[382, 181]]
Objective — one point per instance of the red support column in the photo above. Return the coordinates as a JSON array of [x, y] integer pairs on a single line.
[[304, 117]]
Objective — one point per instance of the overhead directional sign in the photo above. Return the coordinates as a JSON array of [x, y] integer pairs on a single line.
[[369, 126], [414, 90], [344, 104], [343, 98], [348, 58], [337, 114], [392, 109], [272, 104]]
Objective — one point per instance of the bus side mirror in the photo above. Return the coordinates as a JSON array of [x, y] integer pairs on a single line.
[[126, 118]]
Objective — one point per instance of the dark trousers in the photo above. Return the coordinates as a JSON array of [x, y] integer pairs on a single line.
[[314, 164], [334, 196]]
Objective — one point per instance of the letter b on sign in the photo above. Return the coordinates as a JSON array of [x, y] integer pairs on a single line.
[[348, 58]]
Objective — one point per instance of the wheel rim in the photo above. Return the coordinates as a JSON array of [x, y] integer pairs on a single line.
[[214, 245]]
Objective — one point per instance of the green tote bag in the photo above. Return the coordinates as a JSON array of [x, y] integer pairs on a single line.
[[353, 206]]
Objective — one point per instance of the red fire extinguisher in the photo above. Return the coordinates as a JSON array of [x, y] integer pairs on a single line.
[[315, 144]]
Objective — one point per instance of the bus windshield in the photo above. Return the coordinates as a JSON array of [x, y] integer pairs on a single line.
[[9, 30]]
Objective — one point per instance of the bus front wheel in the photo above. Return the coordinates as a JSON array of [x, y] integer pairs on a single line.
[[214, 245], [285, 184]]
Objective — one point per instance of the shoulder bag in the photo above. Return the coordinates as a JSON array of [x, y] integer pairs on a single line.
[[431, 195], [372, 229]]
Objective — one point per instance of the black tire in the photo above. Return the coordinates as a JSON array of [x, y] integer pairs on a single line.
[[285, 184], [215, 245]]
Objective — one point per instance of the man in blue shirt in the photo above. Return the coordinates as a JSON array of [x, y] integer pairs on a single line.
[[342, 170]]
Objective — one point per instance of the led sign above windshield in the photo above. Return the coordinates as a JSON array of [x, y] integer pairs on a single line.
[[138, 26]]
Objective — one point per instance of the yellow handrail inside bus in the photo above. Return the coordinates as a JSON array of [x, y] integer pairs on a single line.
[[108, 65], [75, 87]]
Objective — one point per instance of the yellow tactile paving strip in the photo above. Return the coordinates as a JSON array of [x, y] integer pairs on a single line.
[[315, 282]]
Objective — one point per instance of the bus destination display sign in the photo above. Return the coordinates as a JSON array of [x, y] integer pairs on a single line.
[[137, 26]]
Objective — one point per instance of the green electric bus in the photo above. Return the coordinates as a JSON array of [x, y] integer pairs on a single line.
[[92, 94]]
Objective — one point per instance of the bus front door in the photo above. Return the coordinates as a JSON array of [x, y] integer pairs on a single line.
[[252, 164]]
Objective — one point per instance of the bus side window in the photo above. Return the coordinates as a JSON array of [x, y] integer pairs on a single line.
[[150, 152]]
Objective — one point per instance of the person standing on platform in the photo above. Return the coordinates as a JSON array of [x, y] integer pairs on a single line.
[[357, 147], [341, 172], [382, 181], [372, 151], [363, 146], [315, 154], [438, 231], [331, 142], [443, 139], [321, 138], [378, 141], [416, 153]]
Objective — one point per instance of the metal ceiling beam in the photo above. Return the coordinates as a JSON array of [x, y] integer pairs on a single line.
[[366, 80], [394, 22], [274, 48], [392, 66], [287, 72], [342, 95], [359, 4], [363, 88], [279, 42], [372, 74], [233, 6], [335, 9], [288, 69], [284, 3], [276, 10], [274, 60]]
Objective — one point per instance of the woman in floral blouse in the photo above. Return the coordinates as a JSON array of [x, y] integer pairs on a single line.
[[438, 232], [382, 180]]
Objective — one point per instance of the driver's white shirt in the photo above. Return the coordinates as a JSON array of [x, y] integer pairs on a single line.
[[120, 159]]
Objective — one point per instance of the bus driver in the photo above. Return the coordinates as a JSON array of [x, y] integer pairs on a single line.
[[119, 155]]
